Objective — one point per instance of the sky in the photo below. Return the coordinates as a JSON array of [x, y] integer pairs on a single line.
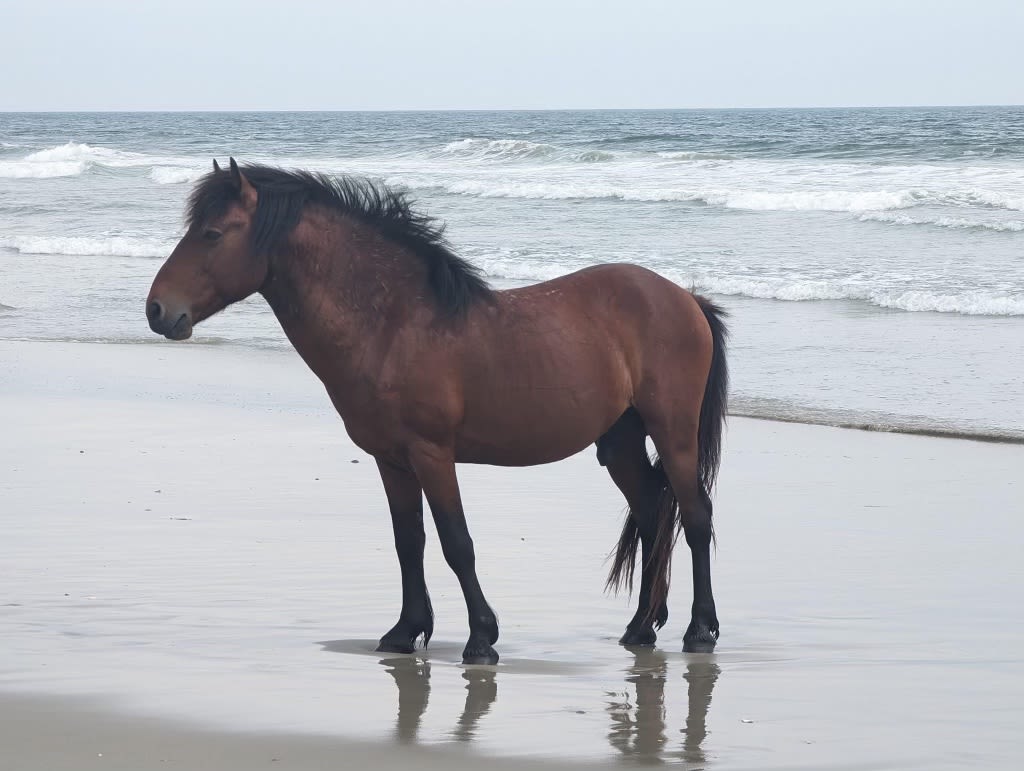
[[495, 54]]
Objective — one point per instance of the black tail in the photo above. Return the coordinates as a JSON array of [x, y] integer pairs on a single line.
[[713, 409], [716, 398]]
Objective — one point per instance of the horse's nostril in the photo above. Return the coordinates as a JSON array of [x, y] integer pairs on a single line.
[[154, 311]]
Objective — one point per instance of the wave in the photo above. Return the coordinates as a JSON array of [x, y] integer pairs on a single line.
[[955, 223], [521, 149], [973, 303], [752, 200], [694, 155], [112, 246], [35, 170], [79, 152], [656, 188], [502, 150], [498, 149], [174, 175], [72, 159], [513, 267]]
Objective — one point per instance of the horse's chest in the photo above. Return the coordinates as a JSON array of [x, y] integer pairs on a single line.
[[370, 421]]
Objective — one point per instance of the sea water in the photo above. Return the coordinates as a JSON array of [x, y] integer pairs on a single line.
[[872, 259]]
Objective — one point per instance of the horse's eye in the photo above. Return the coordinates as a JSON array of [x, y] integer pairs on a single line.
[[211, 235]]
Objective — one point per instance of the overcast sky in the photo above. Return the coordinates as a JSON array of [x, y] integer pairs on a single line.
[[493, 54]]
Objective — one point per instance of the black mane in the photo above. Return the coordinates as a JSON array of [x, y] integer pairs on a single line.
[[283, 194]]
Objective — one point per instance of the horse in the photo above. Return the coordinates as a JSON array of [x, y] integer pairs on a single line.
[[429, 366]]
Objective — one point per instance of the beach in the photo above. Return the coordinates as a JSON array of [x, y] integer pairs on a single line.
[[197, 562]]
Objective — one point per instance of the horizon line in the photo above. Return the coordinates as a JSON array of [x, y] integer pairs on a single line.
[[501, 109]]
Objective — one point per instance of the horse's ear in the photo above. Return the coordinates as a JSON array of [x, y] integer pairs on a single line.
[[216, 166], [246, 192]]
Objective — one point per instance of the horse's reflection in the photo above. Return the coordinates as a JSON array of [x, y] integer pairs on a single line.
[[638, 715], [700, 679], [638, 730], [412, 676], [481, 691]]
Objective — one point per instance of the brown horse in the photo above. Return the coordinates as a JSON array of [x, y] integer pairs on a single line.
[[429, 367]]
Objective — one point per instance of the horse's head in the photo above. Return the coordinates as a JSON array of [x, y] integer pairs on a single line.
[[214, 264]]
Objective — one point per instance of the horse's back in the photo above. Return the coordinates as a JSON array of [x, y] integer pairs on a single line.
[[630, 306], [549, 367]]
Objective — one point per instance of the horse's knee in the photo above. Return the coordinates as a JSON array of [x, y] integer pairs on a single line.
[[696, 520], [457, 546]]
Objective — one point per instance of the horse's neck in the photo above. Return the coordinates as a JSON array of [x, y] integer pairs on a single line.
[[336, 287]]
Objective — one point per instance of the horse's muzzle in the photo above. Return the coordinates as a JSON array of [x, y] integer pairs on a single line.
[[174, 324]]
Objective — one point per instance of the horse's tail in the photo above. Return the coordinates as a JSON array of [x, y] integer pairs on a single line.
[[716, 398], [668, 515]]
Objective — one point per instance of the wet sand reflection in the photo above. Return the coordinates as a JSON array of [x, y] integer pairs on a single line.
[[639, 732], [412, 676], [638, 717]]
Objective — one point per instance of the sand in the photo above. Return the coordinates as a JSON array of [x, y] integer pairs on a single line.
[[194, 572]]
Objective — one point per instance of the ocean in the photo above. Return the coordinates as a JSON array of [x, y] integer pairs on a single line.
[[872, 260]]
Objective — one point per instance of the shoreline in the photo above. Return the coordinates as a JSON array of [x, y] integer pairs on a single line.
[[804, 416], [932, 433]]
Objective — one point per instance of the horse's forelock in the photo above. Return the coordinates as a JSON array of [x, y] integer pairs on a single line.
[[210, 198]]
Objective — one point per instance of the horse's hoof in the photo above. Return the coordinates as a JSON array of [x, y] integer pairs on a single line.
[[479, 654], [698, 646], [700, 639], [643, 636], [395, 645]]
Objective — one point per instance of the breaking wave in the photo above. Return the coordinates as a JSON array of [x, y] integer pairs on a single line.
[[955, 223], [505, 150], [114, 246], [73, 159], [530, 268], [174, 175]]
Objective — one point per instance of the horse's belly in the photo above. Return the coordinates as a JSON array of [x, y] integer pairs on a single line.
[[530, 437]]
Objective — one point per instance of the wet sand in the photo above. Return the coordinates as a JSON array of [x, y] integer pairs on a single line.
[[194, 570], [78, 735]]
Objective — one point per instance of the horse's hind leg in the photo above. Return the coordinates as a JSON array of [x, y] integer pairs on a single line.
[[623, 451], [676, 443], [405, 498]]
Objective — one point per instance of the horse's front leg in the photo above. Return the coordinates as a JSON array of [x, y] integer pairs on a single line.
[[435, 468], [405, 497]]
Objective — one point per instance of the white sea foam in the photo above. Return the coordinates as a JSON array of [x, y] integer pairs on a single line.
[[753, 200], [694, 155], [75, 151], [508, 265], [498, 149], [72, 159], [173, 175], [954, 223], [519, 150], [968, 303], [814, 200], [35, 170], [119, 246]]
